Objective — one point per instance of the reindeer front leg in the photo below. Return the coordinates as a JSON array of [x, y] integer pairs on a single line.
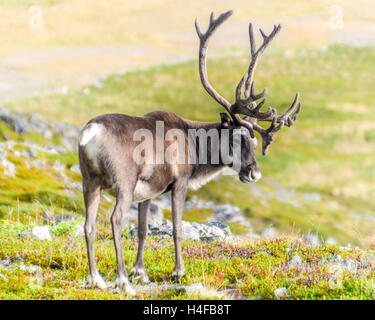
[[178, 200]]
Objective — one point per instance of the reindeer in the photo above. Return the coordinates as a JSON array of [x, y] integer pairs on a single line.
[[107, 145]]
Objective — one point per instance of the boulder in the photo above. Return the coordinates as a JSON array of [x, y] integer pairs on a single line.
[[295, 261], [41, 233], [281, 293], [312, 240], [268, 233]]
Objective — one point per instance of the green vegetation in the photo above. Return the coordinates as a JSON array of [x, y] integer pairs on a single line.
[[255, 267]]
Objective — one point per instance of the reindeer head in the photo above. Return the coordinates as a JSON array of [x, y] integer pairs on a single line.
[[247, 105]]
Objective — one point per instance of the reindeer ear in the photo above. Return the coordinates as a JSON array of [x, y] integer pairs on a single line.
[[225, 120]]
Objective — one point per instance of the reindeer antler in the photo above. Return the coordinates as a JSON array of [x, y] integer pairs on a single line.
[[247, 105], [204, 37]]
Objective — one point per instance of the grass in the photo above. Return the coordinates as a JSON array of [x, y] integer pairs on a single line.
[[255, 267]]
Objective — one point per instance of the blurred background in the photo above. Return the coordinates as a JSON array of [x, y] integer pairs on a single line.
[[69, 60]]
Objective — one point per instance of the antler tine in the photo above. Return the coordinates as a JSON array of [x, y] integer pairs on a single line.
[[296, 107], [254, 95], [204, 37], [248, 106], [285, 119], [288, 119], [255, 55], [268, 134]]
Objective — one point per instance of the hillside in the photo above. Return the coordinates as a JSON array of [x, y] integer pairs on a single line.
[[318, 176]]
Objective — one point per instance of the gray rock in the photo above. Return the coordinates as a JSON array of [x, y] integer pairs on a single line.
[[227, 213], [48, 216], [295, 261], [281, 293], [344, 265], [196, 203], [312, 239], [221, 226], [9, 167], [163, 201], [189, 232], [193, 289], [41, 233], [269, 233], [75, 168], [80, 231], [312, 196], [331, 241], [155, 213], [5, 263], [335, 258], [367, 261], [30, 153], [30, 268], [64, 218]]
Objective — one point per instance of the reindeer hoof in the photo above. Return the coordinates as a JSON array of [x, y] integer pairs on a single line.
[[123, 285], [96, 281], [177, 275], [139, 275]]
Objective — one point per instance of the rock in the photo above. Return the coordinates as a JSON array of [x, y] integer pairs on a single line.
[[155, 213], [190, 230], [41, 233], [222, 226], [367, 261], [80, 231], [59, 167], [30, 153], [312, 239], [48, 217], [5, 263], [163, 201], [335, 258], [75, 168], [281, 293], [30, 268], [64, 218], [268, 233], [345, 265], [211, 233], [227, 213], [295, 261], [9, 167], [193, 289], [196, 203], [312, 196], [331, 241]]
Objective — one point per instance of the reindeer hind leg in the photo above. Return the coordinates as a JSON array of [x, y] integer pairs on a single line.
[[91, 193], [138, 271]]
